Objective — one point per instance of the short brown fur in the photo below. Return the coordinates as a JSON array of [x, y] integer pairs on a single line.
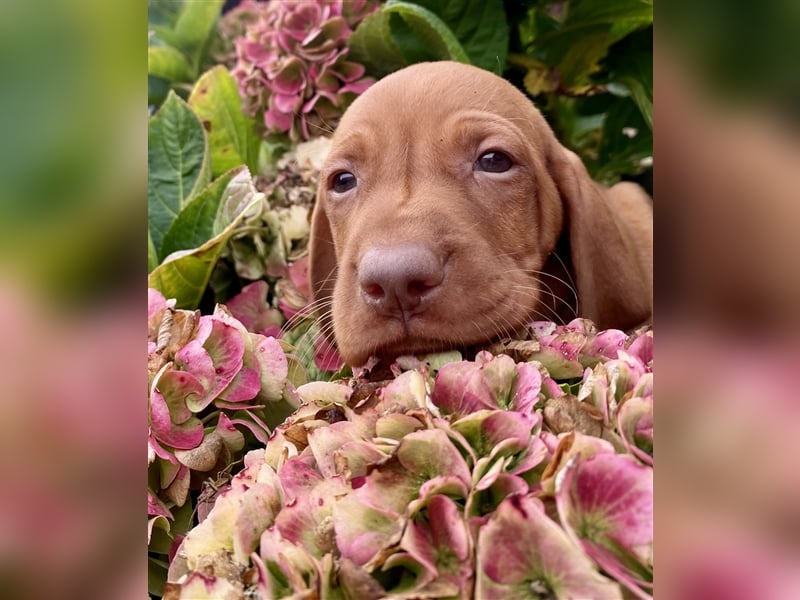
[[514, 246]]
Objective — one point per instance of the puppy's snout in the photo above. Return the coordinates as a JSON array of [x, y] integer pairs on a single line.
[[396, 281]]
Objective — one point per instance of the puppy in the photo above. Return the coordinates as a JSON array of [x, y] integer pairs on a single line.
[[448, 215]]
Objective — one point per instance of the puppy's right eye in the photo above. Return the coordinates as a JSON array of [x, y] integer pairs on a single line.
[[343, 181]]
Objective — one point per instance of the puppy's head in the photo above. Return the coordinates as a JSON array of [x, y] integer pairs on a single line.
[[436, 212]]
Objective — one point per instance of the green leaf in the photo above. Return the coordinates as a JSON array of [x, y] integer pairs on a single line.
[[167, 63], [177, 164], [480, 26], [626, 141], [231, 134], [434, 34], [401, 33], [156, 576], [152, 256], [161, 538], [194, 226], [630, 64], [372, 45], [184, 274], [195, 22], [576, 46], [163, 13]]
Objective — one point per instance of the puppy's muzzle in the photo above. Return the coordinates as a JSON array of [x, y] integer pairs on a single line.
[[400, 281]]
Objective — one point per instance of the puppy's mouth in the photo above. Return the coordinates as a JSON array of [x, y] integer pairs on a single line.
[[427, 332]]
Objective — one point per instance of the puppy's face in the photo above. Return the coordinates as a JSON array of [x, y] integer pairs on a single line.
[[439, 212]]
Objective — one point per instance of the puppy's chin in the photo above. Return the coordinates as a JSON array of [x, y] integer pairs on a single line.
[[387, 339]]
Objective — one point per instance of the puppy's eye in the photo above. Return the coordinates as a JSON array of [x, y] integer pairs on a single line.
[[343, 181], [493, 162]]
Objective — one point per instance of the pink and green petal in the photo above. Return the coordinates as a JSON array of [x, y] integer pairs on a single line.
[[522, 553], [461, 389], [187, 435], [635, 424], [363, 531], [605, 502]]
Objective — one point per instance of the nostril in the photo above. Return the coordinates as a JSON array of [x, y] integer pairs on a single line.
[[373, 290], [419, 287]]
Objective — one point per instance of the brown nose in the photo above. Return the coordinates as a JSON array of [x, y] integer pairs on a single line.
[[397, 280]]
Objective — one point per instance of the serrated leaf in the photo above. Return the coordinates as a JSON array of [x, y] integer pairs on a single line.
[[231, 134], [177, 164], [184, 275], [167, 63], [480, 26], [194, 226]]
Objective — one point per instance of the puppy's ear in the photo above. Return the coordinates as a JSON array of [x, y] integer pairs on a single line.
[[609, 234], [322, 257]]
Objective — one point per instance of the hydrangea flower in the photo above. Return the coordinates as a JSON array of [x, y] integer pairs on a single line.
[[292, 65], [444, 483], [211, 381]]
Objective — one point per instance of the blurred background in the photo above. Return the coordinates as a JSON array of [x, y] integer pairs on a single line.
[[725, 176]]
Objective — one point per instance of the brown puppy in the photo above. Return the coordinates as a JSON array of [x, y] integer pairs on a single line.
[[449, 215]]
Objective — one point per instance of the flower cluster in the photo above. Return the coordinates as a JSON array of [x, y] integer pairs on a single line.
[[292, 65], [212, 383], [414, 487]]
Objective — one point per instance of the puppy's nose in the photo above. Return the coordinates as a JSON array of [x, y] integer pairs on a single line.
[[395, 281]]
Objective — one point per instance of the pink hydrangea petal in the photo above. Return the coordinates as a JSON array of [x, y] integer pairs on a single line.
[[156, 507], [255, 52], [499, 373], [429, 453], [362, 530], [290, 79], [461, 388], [194, 359], [635, 424], [257, 509], [642, 347], [180, 391], [527, 386], [307, 521], [349, 71], [232, 437], [406, 391], [250, 307], [440, 541], [286, 103], [184, 436], [245, 385], [274, 368], [278, 121], [536, 553], [606, 503], [326, 356]]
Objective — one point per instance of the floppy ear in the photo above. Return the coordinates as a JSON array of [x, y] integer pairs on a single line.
[[610, 244], [322, 257]]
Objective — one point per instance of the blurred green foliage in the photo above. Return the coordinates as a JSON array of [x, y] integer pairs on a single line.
[[588, 65], [180, 33]]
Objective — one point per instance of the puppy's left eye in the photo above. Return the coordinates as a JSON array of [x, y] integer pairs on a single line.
[[493, 162]]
